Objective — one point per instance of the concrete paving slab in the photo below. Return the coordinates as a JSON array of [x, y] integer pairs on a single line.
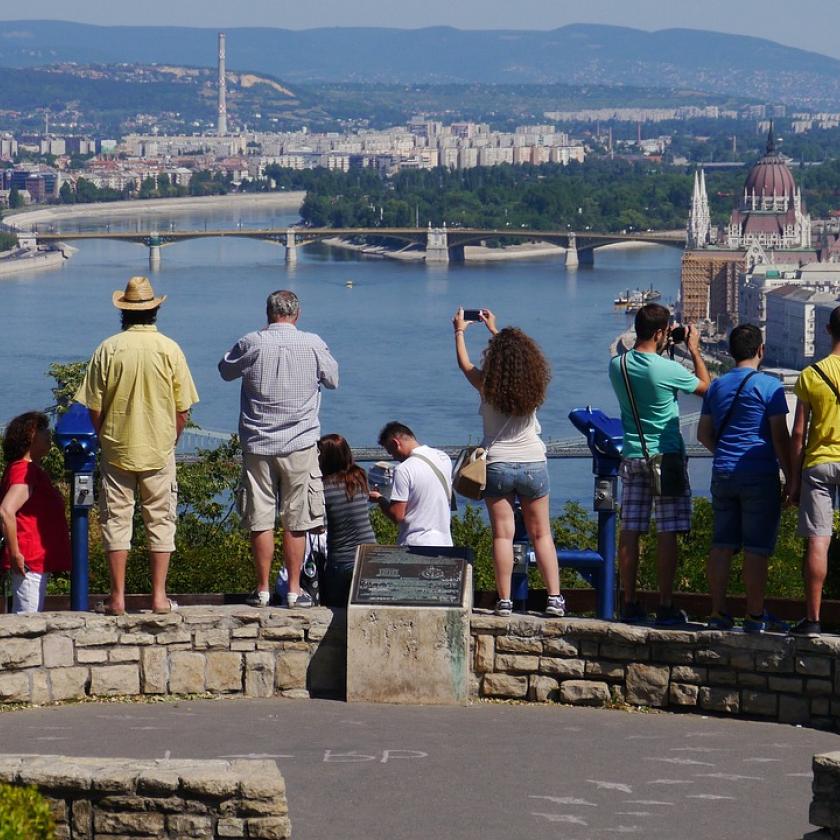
[[489, 771]]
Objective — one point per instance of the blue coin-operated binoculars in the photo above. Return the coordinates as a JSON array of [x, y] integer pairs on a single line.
[[75, 435], [605, 439]]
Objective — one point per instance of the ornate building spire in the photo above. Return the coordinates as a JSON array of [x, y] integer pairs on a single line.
[[699, 218]]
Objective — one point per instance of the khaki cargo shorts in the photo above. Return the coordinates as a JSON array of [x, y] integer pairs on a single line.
[[297, 479], [158, 491]]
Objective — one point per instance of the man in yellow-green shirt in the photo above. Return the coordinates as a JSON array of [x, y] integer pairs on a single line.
[[138, 390], [817, 421]]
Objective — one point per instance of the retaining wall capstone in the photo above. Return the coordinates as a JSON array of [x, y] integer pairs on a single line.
[[99, 798], [825, 805]]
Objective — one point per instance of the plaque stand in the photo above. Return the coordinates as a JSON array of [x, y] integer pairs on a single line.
[[409, 654]]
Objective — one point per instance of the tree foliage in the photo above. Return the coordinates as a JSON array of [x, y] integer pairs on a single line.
[[24, 814]]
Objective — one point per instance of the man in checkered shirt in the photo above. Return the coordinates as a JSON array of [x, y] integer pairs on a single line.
[[282, 371]]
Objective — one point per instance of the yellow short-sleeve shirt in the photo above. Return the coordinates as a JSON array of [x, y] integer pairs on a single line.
[[823, 444], [138, 380]]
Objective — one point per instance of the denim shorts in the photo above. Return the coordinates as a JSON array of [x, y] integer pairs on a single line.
[[528, 480], [747, 509]]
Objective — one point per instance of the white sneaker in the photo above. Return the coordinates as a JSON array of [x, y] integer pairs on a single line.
[[556, 606], [258, 598], [298, 600]]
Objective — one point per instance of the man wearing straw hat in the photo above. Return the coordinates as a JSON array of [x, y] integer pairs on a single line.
[[138, 390]]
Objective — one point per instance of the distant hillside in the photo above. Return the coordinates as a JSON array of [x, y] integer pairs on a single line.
[[582, 53]]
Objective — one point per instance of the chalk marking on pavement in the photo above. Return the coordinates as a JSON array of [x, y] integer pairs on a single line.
[[730, 777], [704, 735], [760, 760], [564, 800], [700, 749], [610, 786], [633, 814], [167, 754], [799, 775], [146, 728], [560, 818], [257, 755], [354, 757], [53, 738], [707, 796], [685, 761], [648, 802], [644, 738], [623, 829], [671, 782]]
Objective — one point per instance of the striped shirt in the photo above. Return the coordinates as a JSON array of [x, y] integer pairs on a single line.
[[348, 523], [282, 370]]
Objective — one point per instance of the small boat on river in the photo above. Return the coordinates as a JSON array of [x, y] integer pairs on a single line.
[[632, 301]]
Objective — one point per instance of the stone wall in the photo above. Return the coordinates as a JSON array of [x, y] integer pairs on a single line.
[[222, 650], [99, 798], [587, 662], [825, 805]]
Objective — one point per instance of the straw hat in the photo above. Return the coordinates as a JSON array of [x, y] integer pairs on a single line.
[[138, 294]]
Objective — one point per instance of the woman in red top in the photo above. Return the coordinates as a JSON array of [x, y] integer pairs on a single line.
[[32, 512]]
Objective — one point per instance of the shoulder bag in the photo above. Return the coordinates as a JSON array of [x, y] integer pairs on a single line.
[[666, 470], [441, 478], [728, 416], [824, 377], [470, 473]]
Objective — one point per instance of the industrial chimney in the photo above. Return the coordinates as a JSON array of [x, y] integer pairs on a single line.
[[221, 126]]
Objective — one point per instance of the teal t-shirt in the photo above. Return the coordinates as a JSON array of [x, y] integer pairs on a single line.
[[656, 383]]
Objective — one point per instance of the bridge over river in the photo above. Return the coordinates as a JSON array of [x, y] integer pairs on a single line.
[[441, 244]]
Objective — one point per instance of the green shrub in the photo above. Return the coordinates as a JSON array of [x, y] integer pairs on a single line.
[[24, 814]]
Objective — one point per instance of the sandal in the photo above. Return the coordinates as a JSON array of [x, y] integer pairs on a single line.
[[103, 608], [172, 606]]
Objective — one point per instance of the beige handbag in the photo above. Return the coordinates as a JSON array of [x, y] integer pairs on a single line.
[[471, 472]]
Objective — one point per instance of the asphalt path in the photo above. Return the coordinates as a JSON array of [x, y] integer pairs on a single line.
[[488, 771]]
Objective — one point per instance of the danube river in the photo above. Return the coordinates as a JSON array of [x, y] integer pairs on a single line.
[[391, 332]]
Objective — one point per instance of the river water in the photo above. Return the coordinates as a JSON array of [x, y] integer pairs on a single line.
[[391, 332]]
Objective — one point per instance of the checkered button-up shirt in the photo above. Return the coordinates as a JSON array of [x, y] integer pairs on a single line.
[[282, 370]]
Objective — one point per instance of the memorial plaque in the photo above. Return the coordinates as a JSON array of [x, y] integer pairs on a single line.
[[410, 576]]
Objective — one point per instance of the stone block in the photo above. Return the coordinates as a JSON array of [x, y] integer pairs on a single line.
[[483, 653], [40, 685], [636, 636], [58, 651], [689, 674], [97, 636], [290, 669], [504, 685], [249, 631], [109, 822], [91, 656], [722, 676], [719, 699], [542, 689], [259, 674], [22, 625], [69, 683], [116, 778], [561, 667], [759, 703], [711, 656], [791, 685], [230, 827], [819, 706], [672, 654], [189, 825], [20, 653], [14, 688], [127, 653], [778, 662], [282, 634], [217, 638], [588, 648], [81, 817], [560, 647], [584, 693], [176, 636], [261, 780], [513, 644], [614, 650], [159, 780], [269, 828], [61, 622], [647, 685], [295, 693], [513, 664], [114, 680], [683, 694], [137, 639], [243, 645], [813, 666], [186, 672], [317, 632], [224, 671], [213, 779], [750, 680], [793, 710], [742, 661], [814, 687], [154, 670], [605, 670]]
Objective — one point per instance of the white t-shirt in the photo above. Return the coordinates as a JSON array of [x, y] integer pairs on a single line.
[[427, 513]]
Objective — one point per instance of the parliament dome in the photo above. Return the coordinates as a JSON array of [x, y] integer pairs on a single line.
[[770, 175]]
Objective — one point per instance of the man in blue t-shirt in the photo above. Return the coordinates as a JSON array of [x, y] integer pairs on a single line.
[[655, 383], [744, 424]]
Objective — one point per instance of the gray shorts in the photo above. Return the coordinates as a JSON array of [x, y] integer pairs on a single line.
[[297, 479], [816, 501]]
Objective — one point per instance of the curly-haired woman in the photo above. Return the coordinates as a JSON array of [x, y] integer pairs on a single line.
[[32, 512], [348, 520], [512, 381]]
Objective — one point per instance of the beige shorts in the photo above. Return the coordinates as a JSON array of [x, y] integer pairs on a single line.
[[816, 500], [297, 479], [158, 503]]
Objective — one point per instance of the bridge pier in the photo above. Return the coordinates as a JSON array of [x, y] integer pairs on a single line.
[[291, 247], [437, 245], [154, 251], [572, 260], [586, 256]]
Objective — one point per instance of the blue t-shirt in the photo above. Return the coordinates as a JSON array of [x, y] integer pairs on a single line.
[[746, 445], [656, 383]]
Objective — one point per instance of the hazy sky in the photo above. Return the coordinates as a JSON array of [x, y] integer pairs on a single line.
[[809, 24]]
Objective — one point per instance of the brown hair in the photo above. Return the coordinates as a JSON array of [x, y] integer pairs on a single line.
[[338, 466], [20, 433], [515, 373]]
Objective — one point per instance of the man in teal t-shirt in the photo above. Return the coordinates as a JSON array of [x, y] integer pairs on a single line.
[[655, 383]]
